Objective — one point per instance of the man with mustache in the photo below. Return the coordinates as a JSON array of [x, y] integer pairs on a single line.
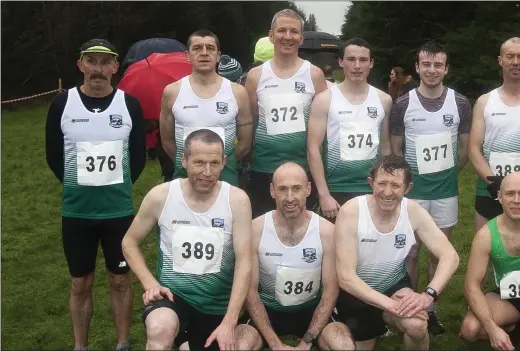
[[430, 126], [95, 145], [281, 91], [492, 315], [204, 266], [494, 141], [294, 287], [204, 99], [374, 234]]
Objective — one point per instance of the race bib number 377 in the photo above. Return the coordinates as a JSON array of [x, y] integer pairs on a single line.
[[284, 114], [434, 152], [99, 163], [504, 163]]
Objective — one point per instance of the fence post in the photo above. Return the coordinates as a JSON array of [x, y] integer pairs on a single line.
[[59, 84]]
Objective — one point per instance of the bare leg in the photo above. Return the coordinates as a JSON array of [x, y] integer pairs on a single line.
[[81, 308], [247, 338], [336, 336], [121, 304], [162, 327]]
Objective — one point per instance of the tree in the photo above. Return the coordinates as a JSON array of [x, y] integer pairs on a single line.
[[311, 25]]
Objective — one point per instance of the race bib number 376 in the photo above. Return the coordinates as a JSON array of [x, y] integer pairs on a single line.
[[99, 163]]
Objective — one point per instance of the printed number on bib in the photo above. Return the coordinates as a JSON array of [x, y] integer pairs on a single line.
[[218, 130], [504, 163], [284, 114], [358, 142], [295, 286], [434, 152], [99, 163], [197, 250], [510, 286]]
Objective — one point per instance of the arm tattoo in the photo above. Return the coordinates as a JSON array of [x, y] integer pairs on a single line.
[[245, 124]]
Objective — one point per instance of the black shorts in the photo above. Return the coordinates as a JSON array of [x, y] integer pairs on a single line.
[[194, 326], [81, 237], [514, 302], [487, 207], [365, 321], [286, 323], [260, 194]]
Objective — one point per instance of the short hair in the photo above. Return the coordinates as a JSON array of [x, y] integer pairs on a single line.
[[203, 33], [391, 163], [514, 40], [431, 48], [287, 13], [328, 70], [204, 135], [354, 41]]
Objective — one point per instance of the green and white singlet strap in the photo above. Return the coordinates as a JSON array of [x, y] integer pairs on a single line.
[[431, 148], [283, 111], [290, 276], [196, 257], [217, 114], [353, 138], [97, 182], [382, 256], [501, 147]]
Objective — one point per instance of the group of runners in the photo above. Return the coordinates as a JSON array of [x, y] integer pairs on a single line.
[[242, 269]]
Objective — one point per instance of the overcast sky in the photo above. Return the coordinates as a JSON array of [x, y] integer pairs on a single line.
[[329, 14]]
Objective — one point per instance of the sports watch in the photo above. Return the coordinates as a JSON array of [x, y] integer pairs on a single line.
[[432, 293]]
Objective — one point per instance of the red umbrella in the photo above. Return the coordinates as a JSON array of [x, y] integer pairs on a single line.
[[146, 79]]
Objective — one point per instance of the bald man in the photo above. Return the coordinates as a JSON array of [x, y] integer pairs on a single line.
[[492, 315], [293, 288], [494, 140]]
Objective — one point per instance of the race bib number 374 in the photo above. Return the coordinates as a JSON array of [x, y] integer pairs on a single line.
[[99, 163]]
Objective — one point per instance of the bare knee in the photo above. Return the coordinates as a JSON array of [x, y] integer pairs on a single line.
[[248, 338], [82, 286], [162, 326], [470, 327], [336, 336], [415, 328], [119, 282]]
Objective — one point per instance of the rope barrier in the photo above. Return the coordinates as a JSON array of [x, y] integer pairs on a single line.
[[30, 97]]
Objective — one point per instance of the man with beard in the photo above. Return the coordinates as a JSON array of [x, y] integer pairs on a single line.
[[353, 115], [281, 91], [294, 287], [430, 125], [374, 234], [492, 315], [204, 99], [204, 266], [494, 142], [95, 145]]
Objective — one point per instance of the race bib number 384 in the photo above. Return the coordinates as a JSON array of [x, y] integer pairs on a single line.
[[284, 114], [295, 286], [99, 163]]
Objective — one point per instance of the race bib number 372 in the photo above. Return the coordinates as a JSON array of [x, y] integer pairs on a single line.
[[99, 163], [284, 114]]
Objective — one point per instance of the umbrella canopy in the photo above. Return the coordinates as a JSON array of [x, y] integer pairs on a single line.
[[144, 48], [146, 79], [320, 41]]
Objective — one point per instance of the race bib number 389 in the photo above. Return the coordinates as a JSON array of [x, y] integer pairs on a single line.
[[99, 163], [504, 163], [197, 250], [284, 114], [510, 286], [295, 286]]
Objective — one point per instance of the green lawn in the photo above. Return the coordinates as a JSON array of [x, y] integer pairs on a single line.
[[35, 279]]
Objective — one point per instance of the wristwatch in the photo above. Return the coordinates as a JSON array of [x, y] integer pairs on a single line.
[[432, 293], [308, 338]]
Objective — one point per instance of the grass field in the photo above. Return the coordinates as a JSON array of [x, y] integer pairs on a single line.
[[35, 279]]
